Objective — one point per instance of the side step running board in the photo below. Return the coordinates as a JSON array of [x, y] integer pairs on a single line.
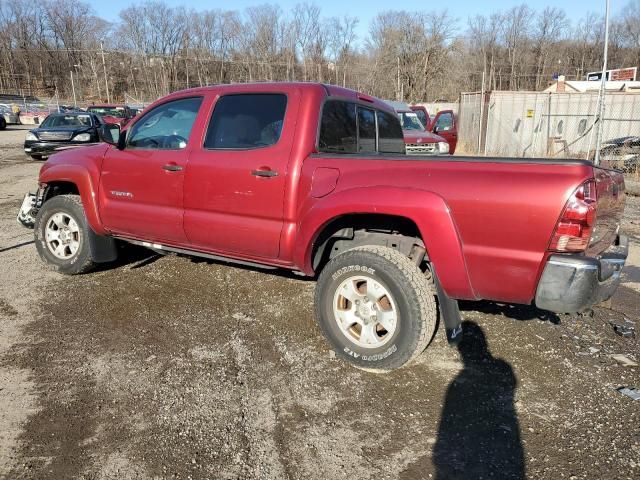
[[165, 248]]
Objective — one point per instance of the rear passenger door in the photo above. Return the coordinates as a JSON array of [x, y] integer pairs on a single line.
[[235, 182]]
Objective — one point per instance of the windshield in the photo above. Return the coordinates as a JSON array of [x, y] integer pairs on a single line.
[[410, 121], [117, 112], [67, 121]]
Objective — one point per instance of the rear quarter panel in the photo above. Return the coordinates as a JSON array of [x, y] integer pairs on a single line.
[[504, 213]]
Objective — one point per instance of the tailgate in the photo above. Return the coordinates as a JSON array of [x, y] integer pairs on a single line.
[[611, 197]]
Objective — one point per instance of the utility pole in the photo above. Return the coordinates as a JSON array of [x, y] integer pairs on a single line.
[[73, 89], [104, 68], [398, 89], [603, 84], [482, 89]]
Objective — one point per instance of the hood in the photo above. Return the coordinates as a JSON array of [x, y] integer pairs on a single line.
[[416, 136]]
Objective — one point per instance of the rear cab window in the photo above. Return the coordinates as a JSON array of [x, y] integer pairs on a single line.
[[348, 127]]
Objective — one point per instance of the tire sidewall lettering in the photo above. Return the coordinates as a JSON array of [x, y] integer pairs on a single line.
[[353, 268]]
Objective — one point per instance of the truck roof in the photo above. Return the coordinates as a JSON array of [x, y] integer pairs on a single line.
[[329, 90]]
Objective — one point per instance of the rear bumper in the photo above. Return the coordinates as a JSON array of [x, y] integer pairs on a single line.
[[572, 283]]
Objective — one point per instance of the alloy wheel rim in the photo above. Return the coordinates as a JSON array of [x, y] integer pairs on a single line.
[[62, 235], [365, 311]]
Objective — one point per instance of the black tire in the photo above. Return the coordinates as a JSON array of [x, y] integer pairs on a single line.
[[37, 157], [71, 206], [410, 290], [3, 123]]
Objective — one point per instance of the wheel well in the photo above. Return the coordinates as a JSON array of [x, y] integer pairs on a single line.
[[60, 188], [350, 231]]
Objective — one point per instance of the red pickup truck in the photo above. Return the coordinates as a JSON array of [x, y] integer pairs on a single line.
[[444, 124], [314, 178], [112, 113]]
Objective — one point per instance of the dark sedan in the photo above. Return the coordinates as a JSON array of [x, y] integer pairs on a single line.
[[622, 153], [60, 131]]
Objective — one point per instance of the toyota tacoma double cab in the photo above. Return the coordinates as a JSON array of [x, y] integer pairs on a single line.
[[314, 178]]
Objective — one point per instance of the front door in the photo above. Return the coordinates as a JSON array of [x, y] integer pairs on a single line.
[[141, 186], [444, 124], [235, 183]]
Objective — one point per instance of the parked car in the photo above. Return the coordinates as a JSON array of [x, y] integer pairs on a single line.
[[35, 113], [443, 124], [622, 153], [312, 178], [61, 131], [418, 140], [9, 116], [116, 114]]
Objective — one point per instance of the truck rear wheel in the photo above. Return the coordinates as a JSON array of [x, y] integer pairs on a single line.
[[62, 235], [375, 307]]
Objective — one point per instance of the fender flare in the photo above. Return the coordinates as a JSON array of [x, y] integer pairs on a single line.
[[426, 209], [81, 178]]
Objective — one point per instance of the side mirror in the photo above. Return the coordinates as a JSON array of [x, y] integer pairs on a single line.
[[110, 133], [435, 129]]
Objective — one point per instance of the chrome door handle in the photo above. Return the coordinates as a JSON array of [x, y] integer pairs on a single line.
[[264, 173], [172, 167]]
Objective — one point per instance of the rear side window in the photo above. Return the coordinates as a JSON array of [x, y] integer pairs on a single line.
[[246, 121], [366, 130], [338, 128], [390, 138]]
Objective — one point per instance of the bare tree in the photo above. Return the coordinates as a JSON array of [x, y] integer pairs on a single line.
[[153, 49], [515, 33], [550, 29]]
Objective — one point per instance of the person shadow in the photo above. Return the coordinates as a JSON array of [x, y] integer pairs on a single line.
[[479, 435]]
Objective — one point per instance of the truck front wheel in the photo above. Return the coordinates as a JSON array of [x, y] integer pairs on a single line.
[[375, 307], [62, 235]]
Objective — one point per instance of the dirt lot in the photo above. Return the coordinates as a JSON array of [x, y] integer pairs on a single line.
[[178, 368]]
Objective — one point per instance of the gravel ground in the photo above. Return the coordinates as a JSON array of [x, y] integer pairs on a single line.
[[170, 367]]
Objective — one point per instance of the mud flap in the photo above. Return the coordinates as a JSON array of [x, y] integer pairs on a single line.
[[450, 314], [103, 249]]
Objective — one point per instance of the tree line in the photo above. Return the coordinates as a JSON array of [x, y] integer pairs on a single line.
[[56, 47]]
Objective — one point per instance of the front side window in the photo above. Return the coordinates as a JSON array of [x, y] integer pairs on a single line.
[[366, 130], [246, 121], [390, 137], [166, 127], [338, 132]]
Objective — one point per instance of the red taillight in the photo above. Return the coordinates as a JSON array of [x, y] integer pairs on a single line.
[[574, 228]]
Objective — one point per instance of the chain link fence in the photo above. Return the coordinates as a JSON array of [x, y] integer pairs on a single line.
[[556, 125]]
